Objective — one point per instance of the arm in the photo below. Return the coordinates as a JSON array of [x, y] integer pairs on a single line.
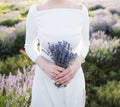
[[31, 47], [83, 47], [31, 35], [32, 38]]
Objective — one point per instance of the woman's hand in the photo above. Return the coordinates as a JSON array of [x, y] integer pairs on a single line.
[[50, 68], [67, 75]]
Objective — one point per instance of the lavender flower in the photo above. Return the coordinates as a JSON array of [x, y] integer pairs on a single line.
[[61, 53], [114, 10], [7, 32], [100, 12], [17, 88], [116, 29], [20, 28], [103, 46], [103, 23], [97, 23]]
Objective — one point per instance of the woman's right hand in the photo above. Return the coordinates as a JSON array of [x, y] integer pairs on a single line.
[[50, 68]]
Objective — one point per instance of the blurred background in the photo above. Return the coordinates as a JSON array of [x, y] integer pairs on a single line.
[[102, 66]]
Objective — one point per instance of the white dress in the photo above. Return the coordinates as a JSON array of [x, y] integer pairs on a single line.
[[54, 25]]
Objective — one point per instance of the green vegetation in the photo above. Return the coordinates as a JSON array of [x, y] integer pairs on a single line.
[[101, 69]]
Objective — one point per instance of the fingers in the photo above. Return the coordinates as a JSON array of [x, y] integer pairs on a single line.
[[53, 74], [55, 71], [65, 79], [60, 68], [65, 72]]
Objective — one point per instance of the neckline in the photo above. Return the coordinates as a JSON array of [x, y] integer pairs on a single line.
[[59, 8]]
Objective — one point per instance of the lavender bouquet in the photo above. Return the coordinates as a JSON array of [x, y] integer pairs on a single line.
[[61, 53]]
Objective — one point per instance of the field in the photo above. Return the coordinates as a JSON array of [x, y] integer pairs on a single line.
[[101, 69]]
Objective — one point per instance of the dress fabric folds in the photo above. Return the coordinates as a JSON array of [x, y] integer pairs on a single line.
[[52, 25]]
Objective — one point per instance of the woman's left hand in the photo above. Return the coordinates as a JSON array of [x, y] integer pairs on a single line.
[[67, 75]]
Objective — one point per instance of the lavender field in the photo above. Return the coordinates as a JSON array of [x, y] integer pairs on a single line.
[[101, 69]]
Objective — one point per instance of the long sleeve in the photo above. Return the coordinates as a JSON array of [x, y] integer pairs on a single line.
[[83, 47], [31, 39]]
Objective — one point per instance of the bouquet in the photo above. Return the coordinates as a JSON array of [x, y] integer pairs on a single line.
[[61, 53]]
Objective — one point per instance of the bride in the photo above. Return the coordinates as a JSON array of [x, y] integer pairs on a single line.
[[52, 21]]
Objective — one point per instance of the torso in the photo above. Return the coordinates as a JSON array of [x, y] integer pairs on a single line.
[[59, 22]]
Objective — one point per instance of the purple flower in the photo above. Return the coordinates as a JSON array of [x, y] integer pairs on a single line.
[[61, 53], [114, 10], [20, 28], [17, 86], [103, 46], [7, 32]]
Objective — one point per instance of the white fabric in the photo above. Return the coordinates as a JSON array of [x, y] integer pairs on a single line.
[[54, 25]]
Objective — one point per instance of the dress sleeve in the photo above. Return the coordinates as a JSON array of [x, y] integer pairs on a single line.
[[83, 47], [31, 39]]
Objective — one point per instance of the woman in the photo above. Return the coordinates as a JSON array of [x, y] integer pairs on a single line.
[[53, 21]]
